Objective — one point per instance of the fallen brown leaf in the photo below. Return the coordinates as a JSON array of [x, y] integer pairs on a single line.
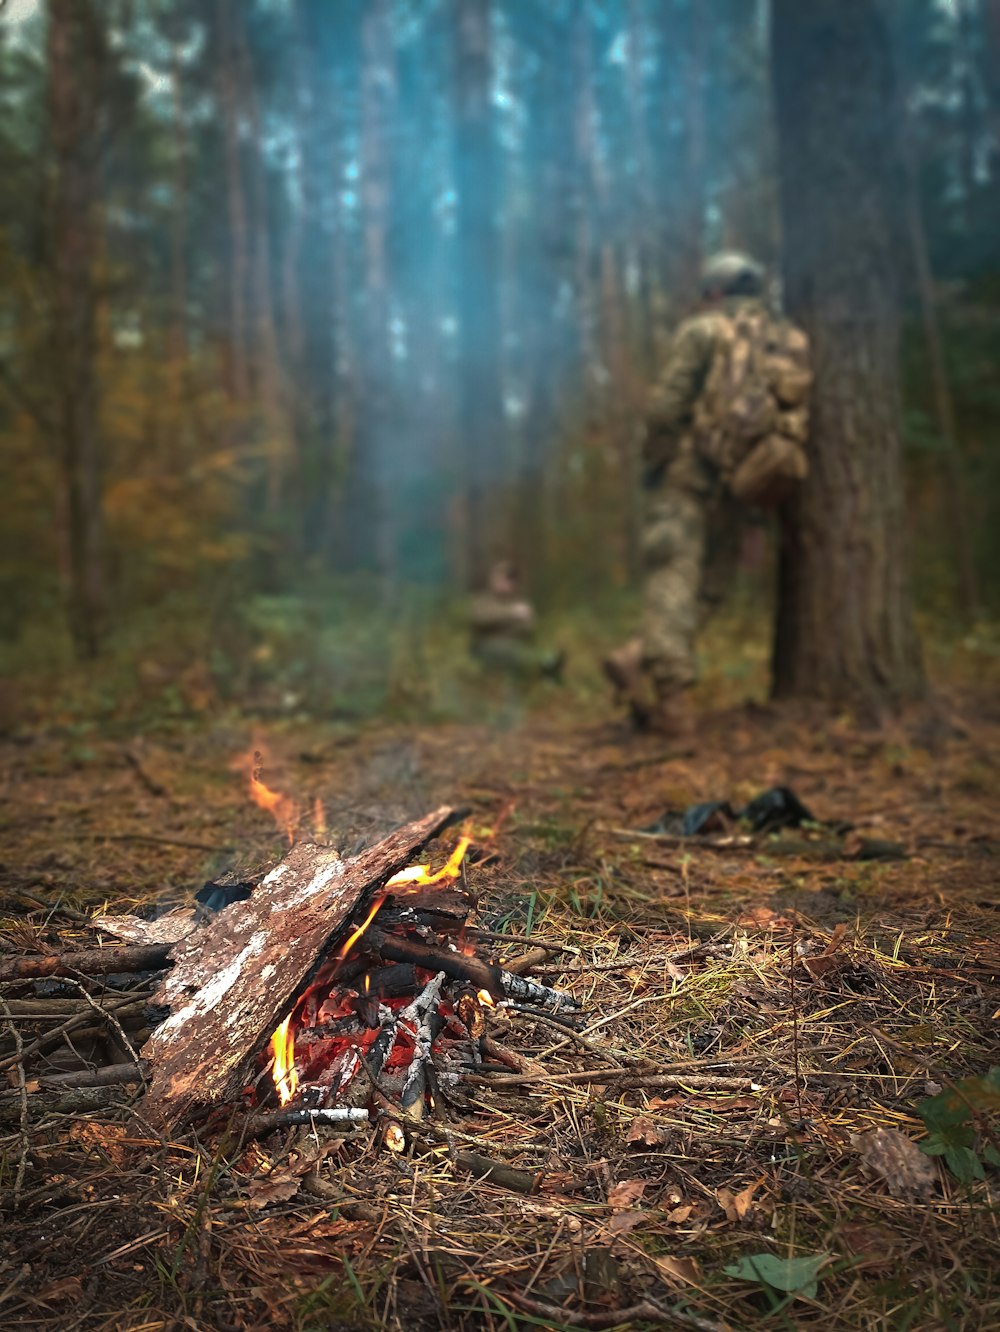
[[822, 965], [67, 1288], [762, 918], [645, 1131], [674, 1270], [890, 1155], [272, 1189], [624, 1194], [873, 1245], [622, 1222], [736, 1205]]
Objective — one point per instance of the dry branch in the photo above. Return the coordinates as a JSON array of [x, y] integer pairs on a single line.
[[498, 1173], [88, 962]]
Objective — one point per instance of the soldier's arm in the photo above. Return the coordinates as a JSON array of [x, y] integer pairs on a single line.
[[676, 391]]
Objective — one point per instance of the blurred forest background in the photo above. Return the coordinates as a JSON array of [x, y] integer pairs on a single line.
[[335, 301]]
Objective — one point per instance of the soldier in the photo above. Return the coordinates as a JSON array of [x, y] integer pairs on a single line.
[[725, 428], [502, 627]]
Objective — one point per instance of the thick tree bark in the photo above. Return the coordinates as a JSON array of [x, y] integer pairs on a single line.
[[480, 394], [844, 629], [76, 59]]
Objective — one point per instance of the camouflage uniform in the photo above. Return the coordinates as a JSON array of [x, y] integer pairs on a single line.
[[691, 527], [503, 637]]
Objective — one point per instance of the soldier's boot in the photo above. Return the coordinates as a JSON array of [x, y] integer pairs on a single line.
[[624, 669]]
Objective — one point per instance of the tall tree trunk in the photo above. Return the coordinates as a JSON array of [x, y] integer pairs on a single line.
[[178, 217], [642, 220], [236, 208], [844, 629], [956, 481], [374, 529], [317, 299], [267, 356], [691, 235], [77, 55], [585, 195], [480, 393]]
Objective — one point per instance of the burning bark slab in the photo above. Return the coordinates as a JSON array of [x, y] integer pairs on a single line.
[[236, 976]]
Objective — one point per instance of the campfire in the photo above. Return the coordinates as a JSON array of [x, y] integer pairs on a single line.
[[323, 990], [396, 1012], [328, 989]]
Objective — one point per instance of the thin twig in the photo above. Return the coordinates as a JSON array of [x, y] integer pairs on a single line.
[[22, 1164], [645, 1311], [109, 1015], [573, 1036], [795, 1020], [72, 1024]]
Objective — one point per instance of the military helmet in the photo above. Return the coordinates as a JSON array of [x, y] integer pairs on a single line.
[[732, 273]]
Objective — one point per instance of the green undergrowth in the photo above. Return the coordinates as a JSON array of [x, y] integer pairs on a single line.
[[337, 652]]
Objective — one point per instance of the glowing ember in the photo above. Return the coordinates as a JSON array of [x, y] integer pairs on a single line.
[[286, 1079], [395, 1139], [317, 1007], [282, 808], [486, 998]]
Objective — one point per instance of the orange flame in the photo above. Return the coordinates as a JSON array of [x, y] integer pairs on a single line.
[[282, 808], [421, 876], [486, 998], [282, 1048], [286, 1079], [356, 934], [319, 819]]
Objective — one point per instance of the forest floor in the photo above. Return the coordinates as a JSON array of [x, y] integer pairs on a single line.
[[790, 996]]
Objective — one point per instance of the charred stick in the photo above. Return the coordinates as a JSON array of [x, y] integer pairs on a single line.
[[484, 975], [341, 1114], [396, 948], [62, 1103], [393, 981], [417, 1082], [381, 1047], [325, 1031], [89, 962], [539, 996], [413, 1013]]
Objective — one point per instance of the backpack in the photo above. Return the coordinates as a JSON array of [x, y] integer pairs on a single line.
[[751, 419]]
